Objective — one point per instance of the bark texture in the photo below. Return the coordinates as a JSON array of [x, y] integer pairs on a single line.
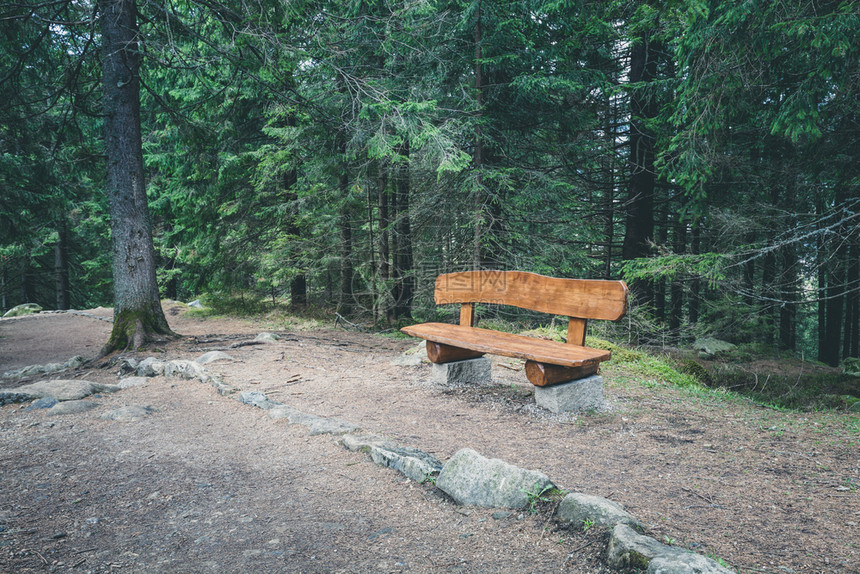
[[138, 316]]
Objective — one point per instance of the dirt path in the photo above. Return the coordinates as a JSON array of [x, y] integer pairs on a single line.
[[207, 484]]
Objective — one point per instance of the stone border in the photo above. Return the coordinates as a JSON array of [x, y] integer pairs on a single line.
[[468, 478], [628, 546]]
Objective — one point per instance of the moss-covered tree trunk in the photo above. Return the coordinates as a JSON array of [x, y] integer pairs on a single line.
[[138, 316]]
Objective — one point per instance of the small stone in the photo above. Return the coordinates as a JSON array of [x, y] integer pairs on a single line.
[[212, 357], [502, 514], [64, 389], [10, 398], [43, 403], [256, 399], [71, 407], [267, 337], [281, 411], [23, 309], [331, 426], [150, 367], [127, 414], [130, 382]]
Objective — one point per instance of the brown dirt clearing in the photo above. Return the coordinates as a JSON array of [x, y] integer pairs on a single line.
[[206, 484]]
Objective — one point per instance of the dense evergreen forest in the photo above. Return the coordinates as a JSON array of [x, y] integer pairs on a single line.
[[341, 154]]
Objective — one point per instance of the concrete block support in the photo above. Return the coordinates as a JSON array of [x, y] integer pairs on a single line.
[[470, 371], [578, 395]]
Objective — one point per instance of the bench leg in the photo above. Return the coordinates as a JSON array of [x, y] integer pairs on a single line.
[[543, 374], [439, 353]]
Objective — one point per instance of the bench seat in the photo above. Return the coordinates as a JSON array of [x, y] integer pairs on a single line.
[[508, 344]]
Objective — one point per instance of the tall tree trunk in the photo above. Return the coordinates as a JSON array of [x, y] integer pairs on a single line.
[[852, 300], [480, 216], [639, 230], [384, 271], [835, 293], [820, 261], [138, 316], [347, 271], [299, 283], [61, 265], [404, 284], [695, 284], [768, 275], [609, 191], [676, 311], [790, 277], [28, 280], [659, 285]]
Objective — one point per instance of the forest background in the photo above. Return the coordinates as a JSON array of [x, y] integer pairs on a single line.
[[341, 154]]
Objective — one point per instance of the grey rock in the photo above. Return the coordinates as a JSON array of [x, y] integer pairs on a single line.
[[469, 478], [213, 356], [23, 309], [74, 362], [105, 388], [196, 304], [712, 347], [579, 395], [629, 549], [30, 370], [10, 398], [43, 403], [300, 418], [683, 562], [851, 366], [470, 371], [267, 337], [129, 413], [130, 382], [501, 515], [222, 388], [71, 407], [410, 462], [127, 365], [330, 426], [150, 367], [185, 370], [281, 411], [577, 508], [27, 371], [362, 442], [256, 399], [64, 389]]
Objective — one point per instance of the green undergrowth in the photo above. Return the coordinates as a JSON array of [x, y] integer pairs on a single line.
[[277, 314]]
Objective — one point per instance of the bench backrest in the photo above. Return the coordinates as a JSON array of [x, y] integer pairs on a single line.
[[576, 298]]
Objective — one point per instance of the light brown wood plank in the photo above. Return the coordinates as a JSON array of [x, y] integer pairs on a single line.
[[583, 298], [508, 344], [576, 331], [467, 315]]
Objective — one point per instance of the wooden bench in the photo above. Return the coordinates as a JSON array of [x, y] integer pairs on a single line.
[[547, 362]]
